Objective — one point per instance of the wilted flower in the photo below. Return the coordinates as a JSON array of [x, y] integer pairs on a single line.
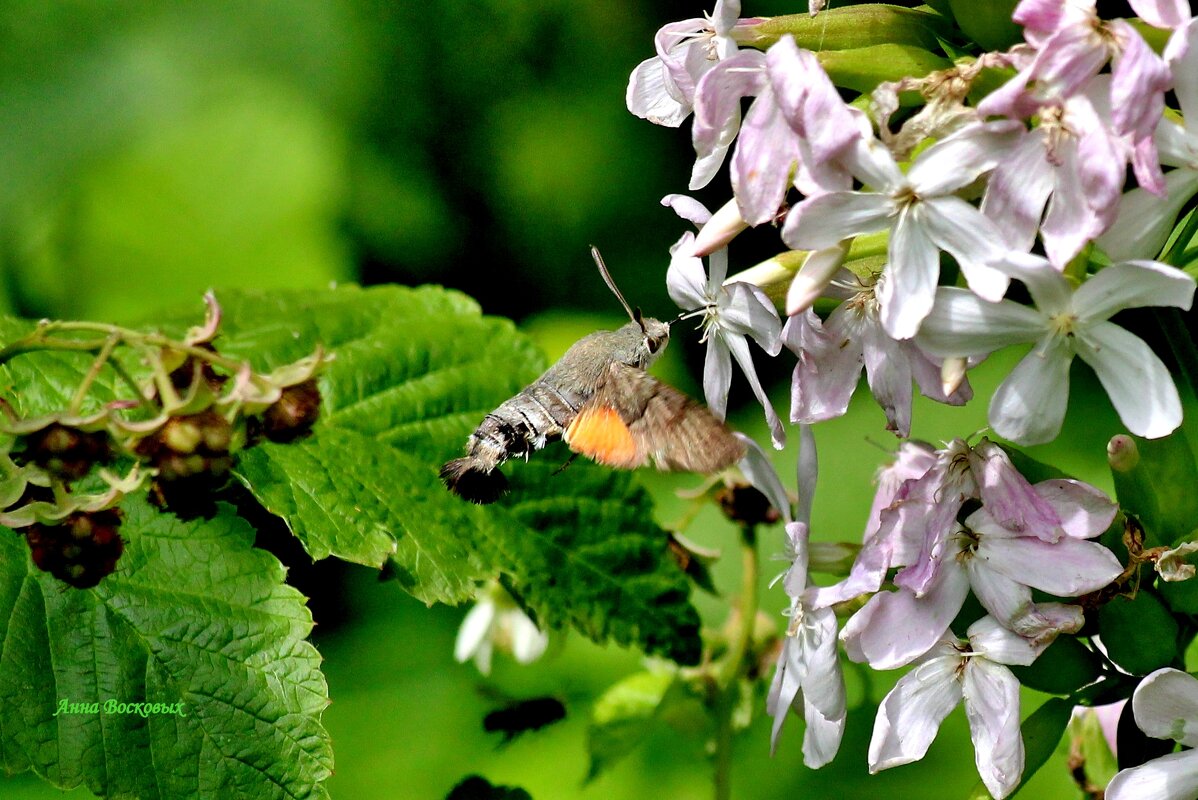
[[1001, 566]]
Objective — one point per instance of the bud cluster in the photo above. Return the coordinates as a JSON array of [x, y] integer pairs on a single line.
[[179, 436]]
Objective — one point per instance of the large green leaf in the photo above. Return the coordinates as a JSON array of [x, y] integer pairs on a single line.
[[415, 370], [192, 616]]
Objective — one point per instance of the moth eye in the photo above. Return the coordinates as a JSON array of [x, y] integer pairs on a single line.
[[652, 344]]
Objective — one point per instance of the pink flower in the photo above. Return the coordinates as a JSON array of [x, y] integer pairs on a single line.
[[832, 355], [1070, 162], [662, 89], [1001, 566]]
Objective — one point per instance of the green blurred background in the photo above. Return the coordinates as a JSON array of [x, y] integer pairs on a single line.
[[152, 150]]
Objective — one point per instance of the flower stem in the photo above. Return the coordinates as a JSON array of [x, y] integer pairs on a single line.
[[735, 664]]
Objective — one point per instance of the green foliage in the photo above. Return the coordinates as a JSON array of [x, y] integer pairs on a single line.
[[194, 616], [625, 714], [1139, 633], [987, 22], [1066, 666]]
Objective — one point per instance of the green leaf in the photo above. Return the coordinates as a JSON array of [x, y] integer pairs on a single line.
[[864, 68], [1139, 634], [415, 371], [1064, 667], [194, 615], [625, 714], [988, 22], [1042, 732]]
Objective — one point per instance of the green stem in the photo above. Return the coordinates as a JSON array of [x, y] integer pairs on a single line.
[[734, 665], [101, 359], [127, 379]]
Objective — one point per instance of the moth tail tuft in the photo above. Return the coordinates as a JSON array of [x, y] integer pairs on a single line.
[[470, 480]]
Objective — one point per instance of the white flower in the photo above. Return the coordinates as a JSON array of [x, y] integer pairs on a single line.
[[923, 214], [1166, 707], [496, 621], [1029, 406], [730, 313], [808, 677], [955, 670]]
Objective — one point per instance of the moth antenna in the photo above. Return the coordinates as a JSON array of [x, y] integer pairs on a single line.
[[612, 285]]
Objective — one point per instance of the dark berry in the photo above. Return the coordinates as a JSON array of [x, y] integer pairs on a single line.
[[64, 451], [80, 550], [293, 414]]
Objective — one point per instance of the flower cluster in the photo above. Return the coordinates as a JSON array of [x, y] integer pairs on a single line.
[[180, 432], [996, 215]]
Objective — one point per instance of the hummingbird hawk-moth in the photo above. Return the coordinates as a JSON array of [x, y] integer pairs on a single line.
[[600, 400]]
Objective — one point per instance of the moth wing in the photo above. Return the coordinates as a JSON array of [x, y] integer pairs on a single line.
[[633, 418]]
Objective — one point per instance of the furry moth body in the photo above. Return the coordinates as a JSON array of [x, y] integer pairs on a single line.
[[598, 398]]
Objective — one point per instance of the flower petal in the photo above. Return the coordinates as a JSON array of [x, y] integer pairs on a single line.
[[1162, 13], [1067, 568], [1029, 406], [910, 715], [827, 220], [989, 639], [740, 351], [971, 238], [1132, 284], [1018, 190], [895, 628], [766, 152], [1138, 384], [686, 281], [1171, 777], [760, 472], [889, 374], [1007, 497], [961, 158], [717, 376], [648, 98], [1145, 221], [908, 289], [963, 324], [748, 311], [828, 368], [1166, 706], [992, 707], [1083, 510]]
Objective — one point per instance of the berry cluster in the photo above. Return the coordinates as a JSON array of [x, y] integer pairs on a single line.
[[180, 436]]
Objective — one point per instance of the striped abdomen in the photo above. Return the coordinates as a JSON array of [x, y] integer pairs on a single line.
[[524, 423]]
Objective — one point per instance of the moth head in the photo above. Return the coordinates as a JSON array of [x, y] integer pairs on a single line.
[[656, 335]]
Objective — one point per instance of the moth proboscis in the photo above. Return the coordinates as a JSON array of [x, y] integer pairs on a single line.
[[600, 400]]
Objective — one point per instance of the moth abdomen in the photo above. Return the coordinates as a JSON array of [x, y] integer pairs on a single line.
[[470, 479], [522, 424]]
